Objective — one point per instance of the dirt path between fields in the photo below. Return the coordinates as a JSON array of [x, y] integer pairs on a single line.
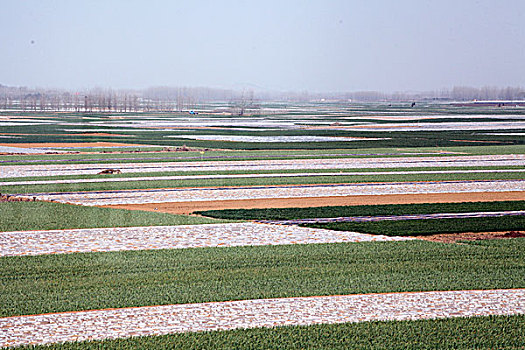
[[189, 207]]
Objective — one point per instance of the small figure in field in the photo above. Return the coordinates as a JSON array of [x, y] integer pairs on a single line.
[[413, 104], [110, 171]]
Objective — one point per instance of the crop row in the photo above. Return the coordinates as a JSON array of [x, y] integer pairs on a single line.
[[428, 227], [386, 138], [197, 156], [86, 281], [361, 210], [214, 154], [437, 216], [24, 216]]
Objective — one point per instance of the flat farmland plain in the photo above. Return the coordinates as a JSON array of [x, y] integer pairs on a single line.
[[317, 214]]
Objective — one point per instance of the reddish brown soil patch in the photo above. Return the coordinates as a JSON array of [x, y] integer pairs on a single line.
[[514, 234], [9, 198], [470, 236], [110, 171], [189, 207]]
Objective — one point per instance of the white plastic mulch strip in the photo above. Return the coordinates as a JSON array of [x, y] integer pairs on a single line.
[[442, 126], [214, 316], [171, 237], [253, 165], [238, 138], [506, 134], [20, 150]]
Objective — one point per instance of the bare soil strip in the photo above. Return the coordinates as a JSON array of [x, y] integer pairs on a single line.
[[190, 207], [212, 316], [470, 236]]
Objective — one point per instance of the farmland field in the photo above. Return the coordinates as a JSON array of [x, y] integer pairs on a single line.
[[197, 231]]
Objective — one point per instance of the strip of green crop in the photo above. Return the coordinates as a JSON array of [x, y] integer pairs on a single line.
[[261, 181], [277, 171], [190, 155], [383, 139], [67, 282], [483, 150], [361, 210], [24, 216], [429, 227], [432, 151], [199, 158], [143, 154], [489, 332]]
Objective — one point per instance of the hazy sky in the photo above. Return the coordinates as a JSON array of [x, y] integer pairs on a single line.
[[325, 45]]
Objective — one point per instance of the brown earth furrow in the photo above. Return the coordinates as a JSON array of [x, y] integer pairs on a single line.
[[189, 207]]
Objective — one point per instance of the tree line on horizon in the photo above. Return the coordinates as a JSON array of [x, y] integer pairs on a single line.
[[171, 99]]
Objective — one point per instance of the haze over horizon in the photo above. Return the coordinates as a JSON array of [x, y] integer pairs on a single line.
[[317, 46]]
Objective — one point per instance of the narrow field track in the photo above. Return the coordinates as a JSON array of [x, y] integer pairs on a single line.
[[157, 320]]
